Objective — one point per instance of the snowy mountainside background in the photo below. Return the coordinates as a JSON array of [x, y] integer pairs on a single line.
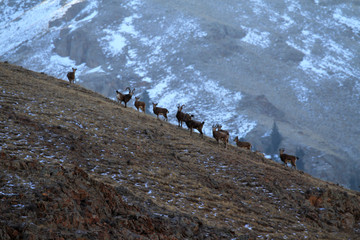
[[244, 64]]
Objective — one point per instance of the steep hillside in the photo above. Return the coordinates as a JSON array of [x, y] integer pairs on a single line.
[[292, 62], [75, 164]]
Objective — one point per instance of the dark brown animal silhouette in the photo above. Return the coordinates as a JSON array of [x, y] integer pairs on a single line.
[[71, 75], [288, 158], [180, 116], [192, 124], [160, 111], [139, 105], [124, 97], [224, 131], [241, 144], [219, 135]]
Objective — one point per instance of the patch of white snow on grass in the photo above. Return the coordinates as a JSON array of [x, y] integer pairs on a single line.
[[248, 226]]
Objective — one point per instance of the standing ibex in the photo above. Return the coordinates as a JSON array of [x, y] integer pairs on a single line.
[[124, 97], [71, 75], [241, 144], [160, 111], [288, 158], [181, 117], [219, 135], [223, 131], [192, 124], [139, 105]]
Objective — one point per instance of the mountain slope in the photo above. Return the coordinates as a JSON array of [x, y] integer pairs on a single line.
[[260, 61], [81, 165]]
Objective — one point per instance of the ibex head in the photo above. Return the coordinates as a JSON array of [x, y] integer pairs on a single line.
[[180, 107], [130, 92], [217, 126]]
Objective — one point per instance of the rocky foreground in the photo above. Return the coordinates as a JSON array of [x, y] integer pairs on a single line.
[[76, 165]]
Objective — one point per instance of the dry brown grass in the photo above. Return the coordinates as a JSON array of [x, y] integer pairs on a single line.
[[160, 165]]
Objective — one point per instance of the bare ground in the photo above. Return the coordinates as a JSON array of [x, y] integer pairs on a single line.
[[78, 165]]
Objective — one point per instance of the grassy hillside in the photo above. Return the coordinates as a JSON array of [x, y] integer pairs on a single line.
[[75, 164]]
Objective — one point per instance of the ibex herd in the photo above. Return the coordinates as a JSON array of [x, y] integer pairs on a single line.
[[218, 133]]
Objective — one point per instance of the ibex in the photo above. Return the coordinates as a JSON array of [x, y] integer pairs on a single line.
[[181, 117], [124, 97], [218, 135], [160, 111], [224, 131], [288, 158], [139, 105], [71, 75], [192, 124], [241, 144]]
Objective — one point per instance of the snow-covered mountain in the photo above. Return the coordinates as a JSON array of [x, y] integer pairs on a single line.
[[244, 64]]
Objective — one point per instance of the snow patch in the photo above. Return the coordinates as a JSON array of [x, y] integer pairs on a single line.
[[115, 39], [288, 22], [192, 94], [257, 38], [301, 91], [185, 27], [248, 226], [134, 4], [353, 23], [59, 66], [98, 69], [32, 23], [259, 6], [76, 24], [115, 42], [309, 64]]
